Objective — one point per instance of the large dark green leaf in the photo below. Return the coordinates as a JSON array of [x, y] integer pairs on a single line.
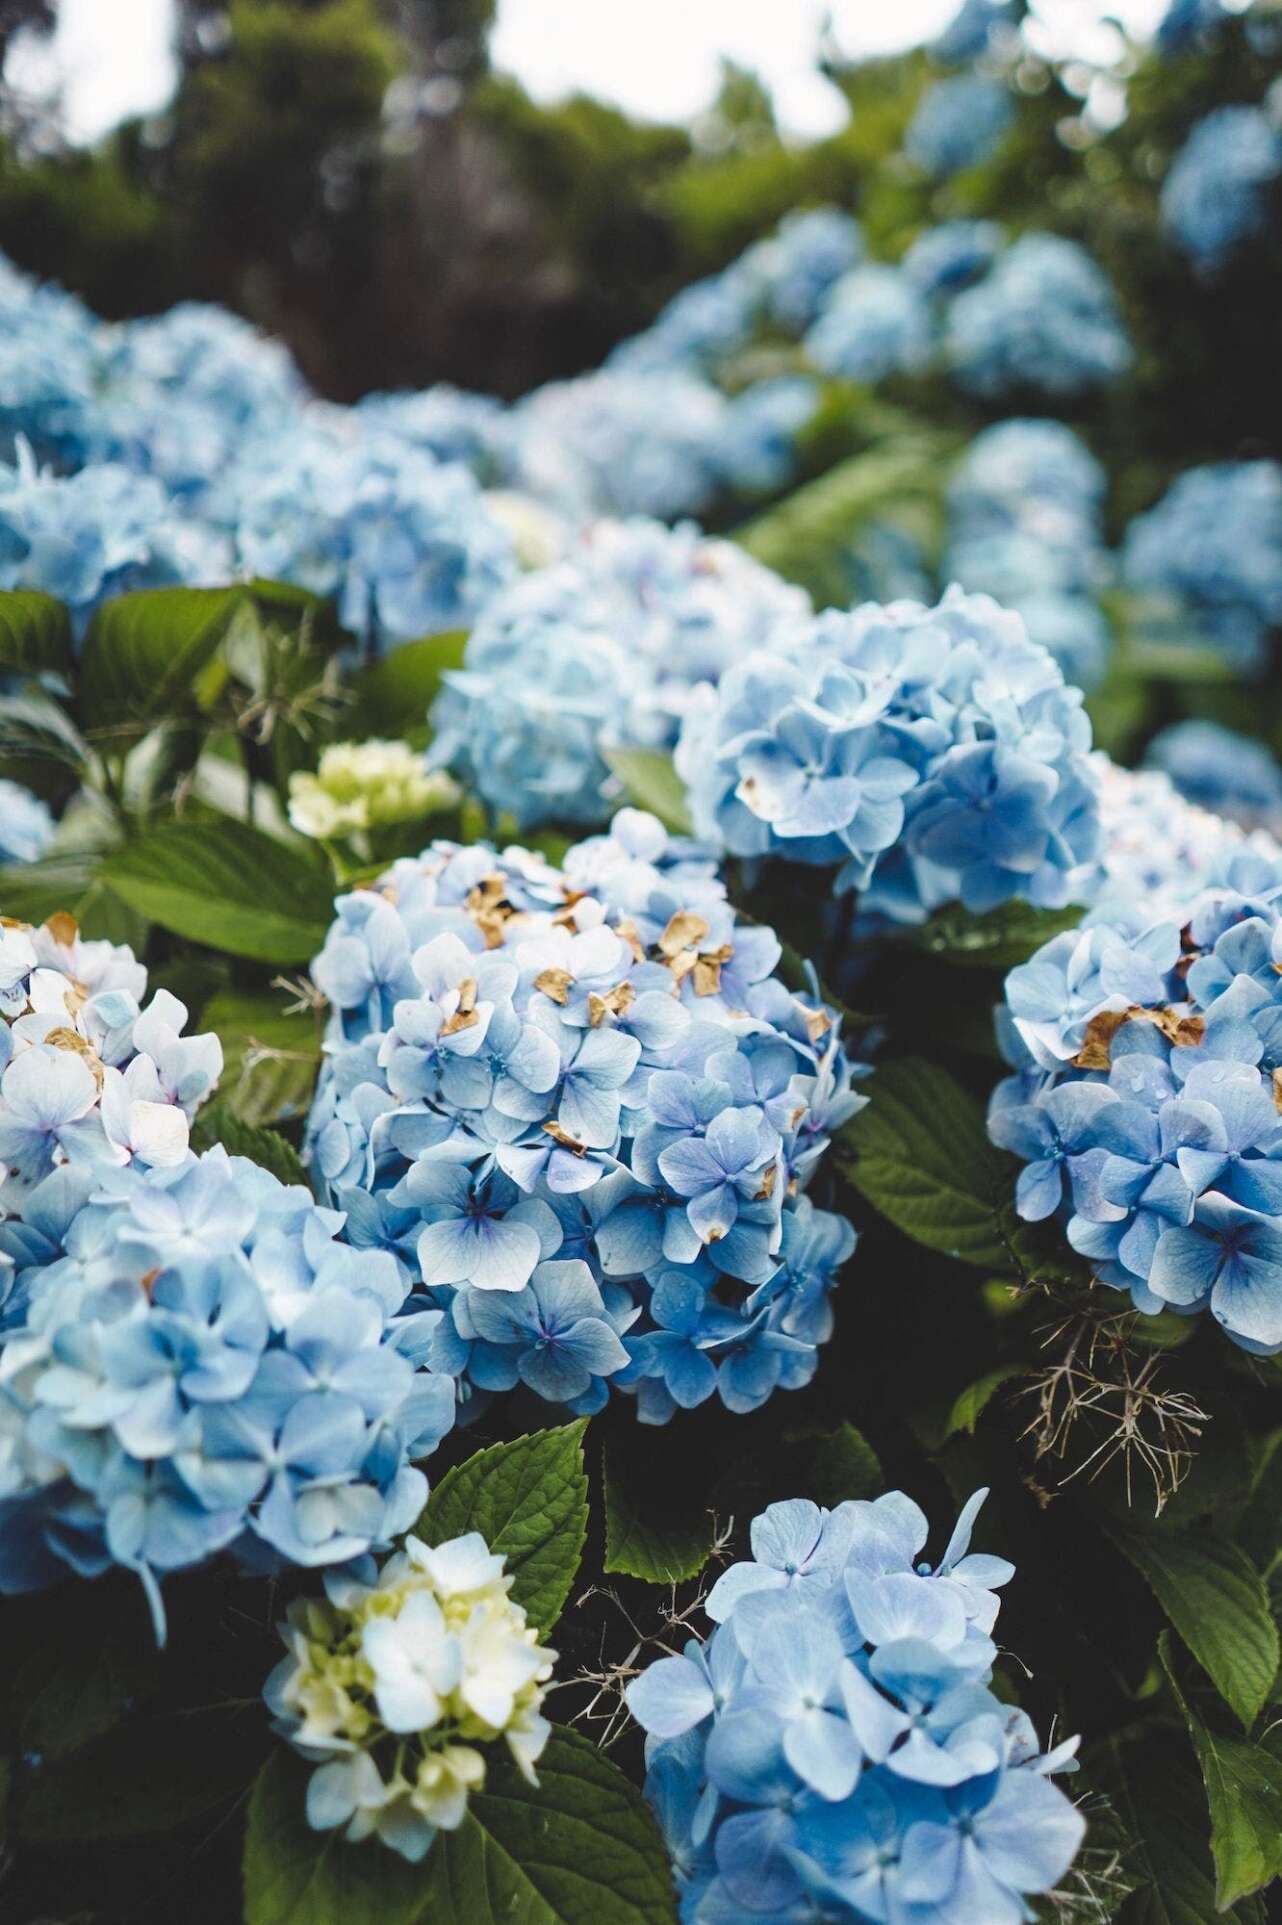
[[144, 651], [296, 1876], [229, 886], [35, 633], [581, 1850], [1244, 1791], [270, 1054], [999, 939], [1152, 1783], [392, 696], [219, 1123], [845, 1465], [529, 1501], [644, 1537], [1217, 1602], [921, 1155]]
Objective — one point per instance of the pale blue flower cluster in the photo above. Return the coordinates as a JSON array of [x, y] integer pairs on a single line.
[[191, 1362], [945, 259], [26, 824], [47, 368], [405, 543], [1187, 22], [974, 28], [926, 754], [89, 1076], [87, 536], [958, 123], [603, 649], [580, 1111], [1143, 1104], [1214, 543], [875, 324], [833, 1750], [1044, 320], [1230, 774], [448, 423], [1025, 508], [1218, 193]]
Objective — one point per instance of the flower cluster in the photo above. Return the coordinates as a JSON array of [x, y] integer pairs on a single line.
[[88, 1076], [945, 259], [928, 754], [605, 648], [581, 1112], [1143, 1105], [190, 1361], [1214, 542], [1220, 770], [958, 123], [395, 1680], [1044, 320], [834, 1750], [874, 324], [98, 533], [1024, 525], [1217, 196], [359, 786]]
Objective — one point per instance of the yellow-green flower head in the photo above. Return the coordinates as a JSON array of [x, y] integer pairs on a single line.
[[392, 1686], [366, 785]]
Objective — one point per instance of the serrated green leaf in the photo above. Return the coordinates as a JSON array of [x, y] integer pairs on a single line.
[[845, 1465], [1153, 1786], [296, 1876], [1217, 1602], [581, 1850], [143, 652], [393, 695], [921, 1156], [147, 1775], [1244, 1793], [529, 1501], [34, 891], [1000, 939], [229, 886], [270, 1054], [975, 1399], [219, 1123], [35, 633], [651, 781], [639, 1542]]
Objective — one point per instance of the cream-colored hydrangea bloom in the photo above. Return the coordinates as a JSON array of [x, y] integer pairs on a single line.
[[366, 785]]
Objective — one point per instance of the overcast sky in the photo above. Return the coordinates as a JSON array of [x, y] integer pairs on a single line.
[[655, 57]]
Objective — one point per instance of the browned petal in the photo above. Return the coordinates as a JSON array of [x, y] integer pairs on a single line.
[[63, 1038], [63, 927], [564, 1138], [686, 930], [615, 1002], [554, 983]]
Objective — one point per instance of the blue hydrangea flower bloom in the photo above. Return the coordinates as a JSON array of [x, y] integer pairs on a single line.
[[874, 323], [26, 824], [606, 648], [1231, 774], [945, 259], [975, 25], [190, 1363], [958, 123], [1216, 197], [579, 1113], [1044, 320], [1214, 543], [1143, 1103], [929, 754], [833, 1749], [1186, 22], [796, 267], [50, 350]]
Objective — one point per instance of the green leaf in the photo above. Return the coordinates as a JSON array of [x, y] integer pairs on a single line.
[[229, 886], [652, 783], [59, 1688], [35, 633], [219, 1123], [922, 1157], [999, 939], [845, 1465], [1153, 1787], [1244, 1792], [35, 729], [148, 1775], [392, 696], [297, 1876], [1217, 1602], [581, 1850], [270, 1055], [144, 651], [639, 1543], [529, 1501], [975, 1399]]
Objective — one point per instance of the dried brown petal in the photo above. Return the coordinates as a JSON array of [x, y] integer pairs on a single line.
[[616, 1002], [686, 930], [555, 983], [63, 927], [768, 1181], [464, 1016], [818, 1023], [63, 1038], [1177, 1024], [631, 936], [564, 1138]]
